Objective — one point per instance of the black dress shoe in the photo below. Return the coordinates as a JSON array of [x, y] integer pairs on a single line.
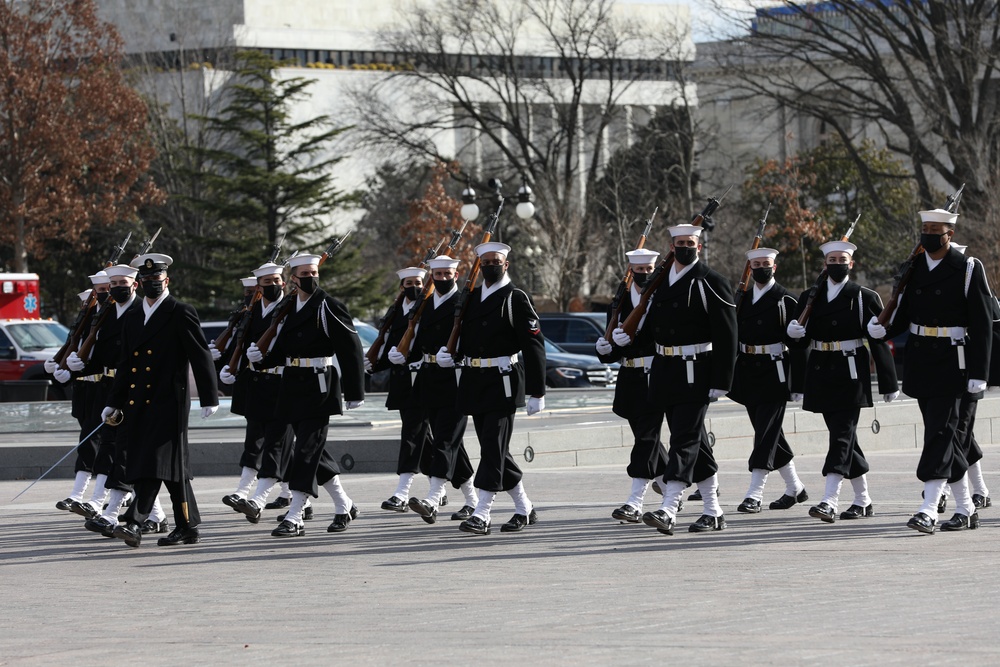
[[233, 501], [443, 502], [942, 504], [823, 512], [627, 514], [858, 512], [307, 514], [131, 533], [696, 495], [463, 514], [354, 512], [981, 501], [961, 522], [288, 529], [659, 520], [179, 536], [427, 512], [749, 506], [706, 523], [474, 525], [394, 504], [340, 523], [656, 487], [100, 525], [923, 523], [66, 505], [786, 501], [517, 522], [86, 510], [249, 509], [278, 503], [150, 526]]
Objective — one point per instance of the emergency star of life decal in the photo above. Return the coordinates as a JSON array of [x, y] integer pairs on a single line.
[[30, 303]]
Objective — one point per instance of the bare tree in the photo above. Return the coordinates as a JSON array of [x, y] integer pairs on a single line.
[[533, 88]]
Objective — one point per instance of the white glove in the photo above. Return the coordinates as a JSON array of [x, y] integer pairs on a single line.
[[875, 330], [216, 355], [889, 398], [107, 412], [796, 330], [717, 393], [254, 354], [50, 366], [368, 365], [209, 411], [976, 386], [620, 337], [74, 362], [444, 359], [395, 356], [226, 376], [535, 404], [352, 405], [797, 398], [62, 375], [603, 346]]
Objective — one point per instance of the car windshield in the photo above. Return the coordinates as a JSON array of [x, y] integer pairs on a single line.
[[366, 332], [34, 336]]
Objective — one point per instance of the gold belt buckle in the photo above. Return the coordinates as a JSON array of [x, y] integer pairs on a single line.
[[475, 363], [296, 362], [751, 349], [931, 331]]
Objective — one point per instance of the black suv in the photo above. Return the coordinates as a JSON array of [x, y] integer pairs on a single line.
[[573, 332]]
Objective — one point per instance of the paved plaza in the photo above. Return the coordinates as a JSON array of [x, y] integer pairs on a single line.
[[577, 588]]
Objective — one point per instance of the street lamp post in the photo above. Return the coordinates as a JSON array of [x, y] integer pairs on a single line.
[[524, 210]]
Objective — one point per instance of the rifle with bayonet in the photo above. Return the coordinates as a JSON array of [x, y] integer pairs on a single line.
[[906, 268], [807, 311], [626, 283], [631, 323], [744, 285], [462, 302], [244, 321]]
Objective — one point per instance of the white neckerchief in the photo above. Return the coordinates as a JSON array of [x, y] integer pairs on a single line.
[[761, 291], [150, 309], [636, 294], [441, 298], [122, 307], [675, 275], [931, 263], [407, 305], [495, 286], [264, 310], [833, 289], [299, 303]]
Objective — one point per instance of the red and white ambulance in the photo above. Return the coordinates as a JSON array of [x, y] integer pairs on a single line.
[[26, 340]]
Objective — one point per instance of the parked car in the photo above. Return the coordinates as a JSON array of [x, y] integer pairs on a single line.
[[25, 344], [565, 369], [380, 380], [897, 346], [573, 332]]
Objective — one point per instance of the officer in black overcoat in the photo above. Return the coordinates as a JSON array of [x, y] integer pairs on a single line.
[[160, 341], [647, 460], [318, 328], [836, 380], [761, 380], [503, 360], [947, 307]]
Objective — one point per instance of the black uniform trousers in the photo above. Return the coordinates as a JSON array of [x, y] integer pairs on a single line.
[[648, 459], [770, 448], [253, 444], [965, 435], [689, 458], [941, 457], [311, 466], [844, 455], [180, 493], [86, 453], [414, 437], [447, 456], [276, 452], [497, 469]]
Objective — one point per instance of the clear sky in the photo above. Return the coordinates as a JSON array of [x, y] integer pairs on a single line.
[[706, 24]]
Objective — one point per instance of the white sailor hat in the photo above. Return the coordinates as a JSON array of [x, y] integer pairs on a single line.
[[411, 272], [100, 278], [304, 260], [442, 262], [493, 246], [249, 282], [939, 215], [838, 246], [121, 270], [762, 253], [642, 256], [152, 262], [684, 230], [269, 269], [85, 294], [960, 248]]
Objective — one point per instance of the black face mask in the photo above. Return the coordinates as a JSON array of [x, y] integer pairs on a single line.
[[837, 272], [640, 279], [493, 273], [762, 274], [307, 284], [102, 297], [412, 292], [271, 292], [153, 288], [685, 255], [444, 286], [121, 294], [931, 242]]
